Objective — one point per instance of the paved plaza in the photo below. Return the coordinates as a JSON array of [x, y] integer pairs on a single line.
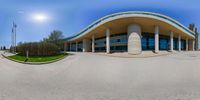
[[87, 76]]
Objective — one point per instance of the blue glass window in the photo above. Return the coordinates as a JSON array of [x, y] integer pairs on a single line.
[[175, 43], [100, 43], [163, 44], [144, 43], [151, 42], [183, 44], [124, 40]]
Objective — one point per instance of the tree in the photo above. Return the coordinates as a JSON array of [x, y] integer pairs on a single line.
[[55, 37]]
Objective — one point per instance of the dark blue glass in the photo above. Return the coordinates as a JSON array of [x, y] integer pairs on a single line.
[[151, 43], [163, 44], [144, 43], [124, 40], [175, 43], [183, 44], [100, 42]]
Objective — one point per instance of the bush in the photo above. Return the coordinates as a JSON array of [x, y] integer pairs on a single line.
[[38, 49]]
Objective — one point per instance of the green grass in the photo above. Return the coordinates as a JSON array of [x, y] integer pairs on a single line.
[[19, 57]]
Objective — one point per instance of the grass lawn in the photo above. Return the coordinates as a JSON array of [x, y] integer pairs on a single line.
[[19, 57]]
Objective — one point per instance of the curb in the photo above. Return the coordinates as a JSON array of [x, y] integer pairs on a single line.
[[34, 63], [118, 56]]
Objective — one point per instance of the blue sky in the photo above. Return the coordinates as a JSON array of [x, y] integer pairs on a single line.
[[71, 16]]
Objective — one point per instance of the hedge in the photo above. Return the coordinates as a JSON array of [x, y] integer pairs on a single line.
[[38, 49]]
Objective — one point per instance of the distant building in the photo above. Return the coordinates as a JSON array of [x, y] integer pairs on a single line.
[[134, 32]]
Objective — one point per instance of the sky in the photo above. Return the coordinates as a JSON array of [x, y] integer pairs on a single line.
[[35, 19]]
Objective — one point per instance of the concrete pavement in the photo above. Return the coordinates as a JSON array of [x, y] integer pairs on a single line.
[[86, 76]]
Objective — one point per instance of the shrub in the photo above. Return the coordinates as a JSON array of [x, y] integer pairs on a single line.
[[38, 49]]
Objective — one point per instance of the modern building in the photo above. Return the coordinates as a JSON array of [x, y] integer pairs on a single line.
[[133, 32]]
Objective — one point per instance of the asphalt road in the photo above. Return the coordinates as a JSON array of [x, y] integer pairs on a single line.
[[86, 76]]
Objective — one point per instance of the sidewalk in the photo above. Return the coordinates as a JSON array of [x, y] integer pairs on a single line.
[[6, 53], [144, 54]]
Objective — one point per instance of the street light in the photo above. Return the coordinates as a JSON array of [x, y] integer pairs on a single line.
[[13, 37]]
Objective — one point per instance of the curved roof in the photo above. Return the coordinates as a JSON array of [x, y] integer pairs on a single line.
[[131, 14]]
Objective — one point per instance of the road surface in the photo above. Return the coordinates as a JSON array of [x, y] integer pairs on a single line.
[[86, 76]]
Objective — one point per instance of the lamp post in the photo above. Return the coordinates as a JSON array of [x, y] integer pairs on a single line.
[[26, 54], [13, 38]]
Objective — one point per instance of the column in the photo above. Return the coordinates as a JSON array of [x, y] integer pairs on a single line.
[[93, 43], [171, 41], [84, 45], [193, 44], [70, 49], [76, 46], [134, 39], [156, 39], [179, 42], [186, 44], [65, 46], [107, 40]]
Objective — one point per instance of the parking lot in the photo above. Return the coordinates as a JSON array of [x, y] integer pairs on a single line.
[[87, 76]]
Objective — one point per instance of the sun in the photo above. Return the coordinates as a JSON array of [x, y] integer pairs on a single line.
[[40, 17]]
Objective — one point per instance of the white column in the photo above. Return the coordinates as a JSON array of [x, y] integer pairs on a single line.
[[193, 44], [171, 41], [186, 44], [76, 46], [134, 39], [93, 43], [179, 42], [107, 40], [65, 46], [156, 39], [84, 45], [70, 49]]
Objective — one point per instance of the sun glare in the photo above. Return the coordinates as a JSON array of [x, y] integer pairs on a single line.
[[40, 17]]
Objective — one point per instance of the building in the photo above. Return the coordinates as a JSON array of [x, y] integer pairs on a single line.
[[133, 32], [194, 29]]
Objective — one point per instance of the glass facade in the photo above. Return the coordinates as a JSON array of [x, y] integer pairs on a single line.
[[164, 43], [183, 44], [175, 44], [122, 48], [73, 47], [118, 43], [148, 41], [80, 46]]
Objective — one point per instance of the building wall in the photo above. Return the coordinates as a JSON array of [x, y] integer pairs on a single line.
[[119, 43]]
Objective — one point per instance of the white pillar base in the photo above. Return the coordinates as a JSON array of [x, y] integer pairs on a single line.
[[171, 41], [107, 40], [76, 46], [186, 44], [134, 39], [93, 43], [156, 39], [179, 42]]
